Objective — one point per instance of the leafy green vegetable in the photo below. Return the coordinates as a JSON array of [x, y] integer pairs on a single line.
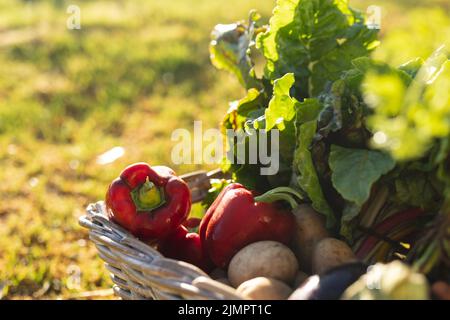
[[412, 67], [314, 39], [347, 226], [344, 112], [392, 281], [307, 178], [240, 114], [409, 116], [229, 50], [411, 121], [353, 174], [281, 106], [307, 111], [355, 171], [217, 185], [246, 114], [246, 109], [360, 139], [418, 189]]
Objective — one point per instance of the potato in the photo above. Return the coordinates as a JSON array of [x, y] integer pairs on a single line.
[[263, 259], [310, 229], [263, 288], [330, 253]]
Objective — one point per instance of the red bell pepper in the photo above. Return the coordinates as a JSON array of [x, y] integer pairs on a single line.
[[237, 218], [185, 246], [192, 223], [150, 202]]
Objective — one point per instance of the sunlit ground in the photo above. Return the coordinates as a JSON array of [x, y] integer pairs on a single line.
[[134, 72]]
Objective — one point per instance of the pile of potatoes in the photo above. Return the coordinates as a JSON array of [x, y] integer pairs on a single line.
[[269, 270]]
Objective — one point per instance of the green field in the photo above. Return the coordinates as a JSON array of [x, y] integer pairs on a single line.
[[134, 72]]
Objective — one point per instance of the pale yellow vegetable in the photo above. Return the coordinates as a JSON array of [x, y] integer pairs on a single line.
[[310, 229], [392, 281], [263, 288], [329, 253], [263, 259]]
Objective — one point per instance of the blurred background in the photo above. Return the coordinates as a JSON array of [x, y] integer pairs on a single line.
[[76, 106]]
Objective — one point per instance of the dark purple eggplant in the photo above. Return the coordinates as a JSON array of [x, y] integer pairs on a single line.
[[330, 285]]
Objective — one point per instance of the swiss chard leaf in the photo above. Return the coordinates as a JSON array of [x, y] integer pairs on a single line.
[[314, 39], [354, 171], [280, 113], [412, 67], [306, 174], [229, 50], [349, 213], [418, 189], [307, 111], [243, 110], [408, 117], [344, 111], [282, 105]]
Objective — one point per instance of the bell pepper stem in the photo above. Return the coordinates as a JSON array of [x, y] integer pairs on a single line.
[[147, 196], [281, 193]]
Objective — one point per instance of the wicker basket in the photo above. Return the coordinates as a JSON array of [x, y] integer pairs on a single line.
[[141, 272]]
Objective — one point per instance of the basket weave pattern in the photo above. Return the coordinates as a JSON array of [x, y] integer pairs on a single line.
[[138, 271]]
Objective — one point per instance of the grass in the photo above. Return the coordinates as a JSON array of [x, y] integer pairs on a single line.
[[135, 71]]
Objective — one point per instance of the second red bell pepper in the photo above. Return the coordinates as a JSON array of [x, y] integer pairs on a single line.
[[237, 218]]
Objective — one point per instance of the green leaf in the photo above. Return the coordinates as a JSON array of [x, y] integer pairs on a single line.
[[281, 106], [242, 110], [354, 171], [409, 116], [245, 173], [229, 51], [307, 110], [306, 174], [416, 189], [314, 39], [365, 65], [344, 111], [412, 67], [350, 211], [217, 185]]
